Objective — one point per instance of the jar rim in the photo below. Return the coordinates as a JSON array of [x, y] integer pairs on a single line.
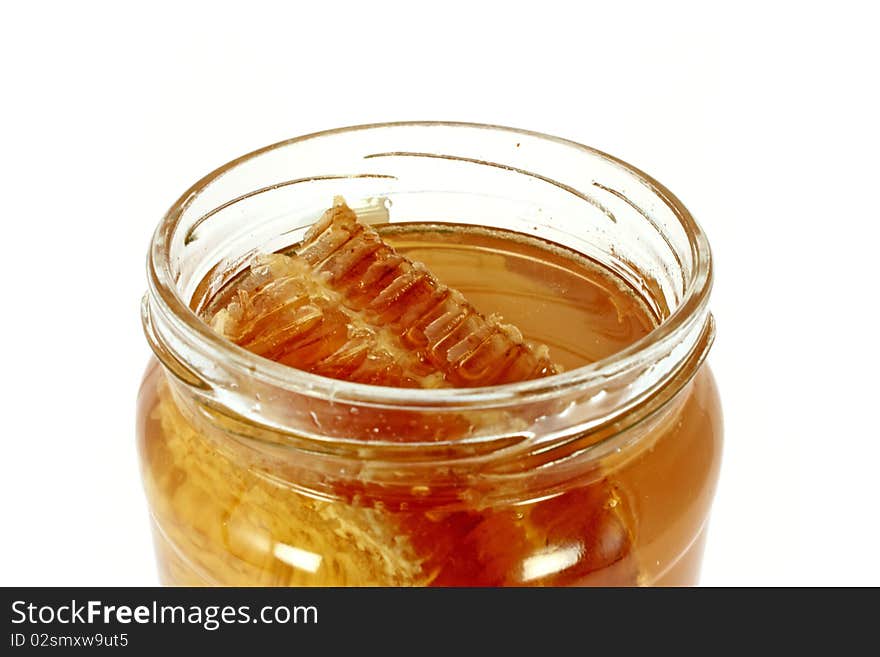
[[660, 340]]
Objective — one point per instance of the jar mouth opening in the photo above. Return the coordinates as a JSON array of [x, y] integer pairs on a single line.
[[164, 292]]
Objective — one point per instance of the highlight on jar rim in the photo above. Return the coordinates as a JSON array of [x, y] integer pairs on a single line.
[[429, 354]]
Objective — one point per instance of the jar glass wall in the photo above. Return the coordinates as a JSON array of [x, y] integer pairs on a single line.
[[257, 473]]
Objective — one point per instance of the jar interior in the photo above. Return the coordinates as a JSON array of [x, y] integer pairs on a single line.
[[581, 199], [437, 174]]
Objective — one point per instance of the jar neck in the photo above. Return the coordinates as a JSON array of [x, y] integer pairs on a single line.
[[616, 215], [495, 468]]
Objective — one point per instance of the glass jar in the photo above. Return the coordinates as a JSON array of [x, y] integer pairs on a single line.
[[260, 474]]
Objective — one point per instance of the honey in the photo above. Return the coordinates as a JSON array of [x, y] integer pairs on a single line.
[[225, 512]]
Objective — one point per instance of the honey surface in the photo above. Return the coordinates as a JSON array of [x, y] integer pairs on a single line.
[[554, 297]]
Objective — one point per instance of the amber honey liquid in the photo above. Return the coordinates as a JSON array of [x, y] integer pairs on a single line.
[[554, 296], [218, 521]]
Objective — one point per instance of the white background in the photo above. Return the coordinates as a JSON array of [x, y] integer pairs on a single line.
[[762, 119]]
